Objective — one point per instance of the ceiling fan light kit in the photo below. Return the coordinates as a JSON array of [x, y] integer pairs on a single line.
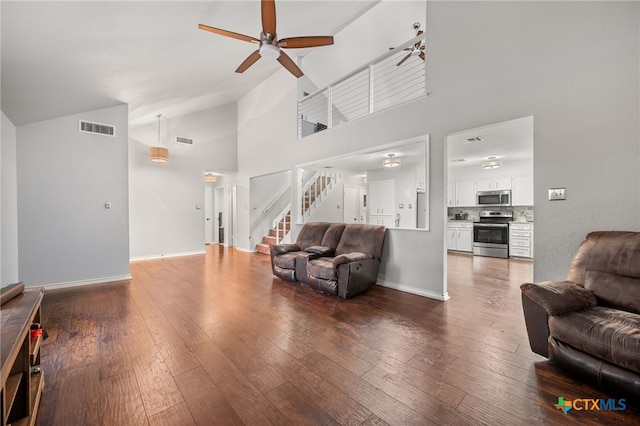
[[270, 46], [415, 50]]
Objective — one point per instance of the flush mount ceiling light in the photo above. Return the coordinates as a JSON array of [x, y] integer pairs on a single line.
[[158, 154], [210, 177], [391, 161], [493, 163]]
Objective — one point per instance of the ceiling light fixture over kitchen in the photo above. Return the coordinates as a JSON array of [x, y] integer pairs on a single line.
[[158, 154], [391, 161], [493, 163]]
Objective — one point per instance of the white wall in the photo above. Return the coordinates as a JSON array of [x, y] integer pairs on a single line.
[[8, 205], [165, 220], [364, 40], [65, 233], [573, 66]]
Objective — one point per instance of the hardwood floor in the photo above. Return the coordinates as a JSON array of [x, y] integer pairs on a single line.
[[216, 339]]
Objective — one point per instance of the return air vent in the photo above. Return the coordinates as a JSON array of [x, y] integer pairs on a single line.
[[183, 140], [97, 128], [474, 140]]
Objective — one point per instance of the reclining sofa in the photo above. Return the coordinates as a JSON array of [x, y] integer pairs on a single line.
[[590, 323], [343, 261]]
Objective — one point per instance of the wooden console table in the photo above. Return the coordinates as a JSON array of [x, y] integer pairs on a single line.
[[22, 378]]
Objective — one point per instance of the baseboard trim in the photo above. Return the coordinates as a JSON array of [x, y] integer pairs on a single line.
[[162, 256], [413, 290], [245, 250], [81, 283]]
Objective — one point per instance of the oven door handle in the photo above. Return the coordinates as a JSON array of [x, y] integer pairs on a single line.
[[492, 225]]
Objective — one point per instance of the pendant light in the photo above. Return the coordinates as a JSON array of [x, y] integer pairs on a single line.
[[158, 153]]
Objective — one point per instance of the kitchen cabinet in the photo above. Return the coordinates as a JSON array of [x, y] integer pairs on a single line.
[[464, 193], [460, 236], [381, 203], [494, 184], [451, 194], [386, 221], [522, 194], [521, 240]]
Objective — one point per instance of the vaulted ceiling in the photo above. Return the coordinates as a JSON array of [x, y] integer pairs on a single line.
[[62, 58]]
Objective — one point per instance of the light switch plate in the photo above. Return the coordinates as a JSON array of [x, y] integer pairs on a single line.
[[556, 194]]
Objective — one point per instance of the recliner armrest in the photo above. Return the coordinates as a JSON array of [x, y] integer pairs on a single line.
[[350, 257], [559, 297], [321, 251], [283, 248]]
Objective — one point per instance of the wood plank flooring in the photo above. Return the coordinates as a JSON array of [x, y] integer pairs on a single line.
[[216, 339]]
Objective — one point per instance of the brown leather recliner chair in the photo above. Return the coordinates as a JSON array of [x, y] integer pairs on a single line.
[[285, 256], [590, 323], [353, 268]]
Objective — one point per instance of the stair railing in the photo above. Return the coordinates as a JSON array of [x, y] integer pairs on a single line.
[[314, 192], [275, 200], [282, 224]]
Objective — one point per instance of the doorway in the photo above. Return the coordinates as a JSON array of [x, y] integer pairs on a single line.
[[218, 225], [354, 204], [208, 215]]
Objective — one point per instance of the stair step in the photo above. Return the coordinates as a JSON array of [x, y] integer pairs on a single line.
[[269, 240], [263, 249]]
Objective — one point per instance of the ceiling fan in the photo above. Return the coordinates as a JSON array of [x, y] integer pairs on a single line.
[[415, 50], [270, 46]]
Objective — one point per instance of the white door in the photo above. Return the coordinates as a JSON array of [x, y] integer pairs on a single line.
[[208, 215], [351, 204]]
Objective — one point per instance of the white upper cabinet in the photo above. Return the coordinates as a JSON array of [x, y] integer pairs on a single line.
[[522, 191], [494, 184], [465, 193]]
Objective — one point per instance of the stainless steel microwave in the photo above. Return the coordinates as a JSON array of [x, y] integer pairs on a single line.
[[494, 198]]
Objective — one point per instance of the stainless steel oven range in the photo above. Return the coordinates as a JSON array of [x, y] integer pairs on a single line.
[[491, 233]]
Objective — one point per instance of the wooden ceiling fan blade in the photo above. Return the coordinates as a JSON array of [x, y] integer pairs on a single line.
[[291, 66], [252, 59], [269, 17], [403, 59], [421, 55], [307, 41], [229, 34]]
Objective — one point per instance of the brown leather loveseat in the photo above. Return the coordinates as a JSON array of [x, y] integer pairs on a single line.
[[590, 323], [344, 263]]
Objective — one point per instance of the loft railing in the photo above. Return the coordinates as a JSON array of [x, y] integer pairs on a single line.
[[374, 86]]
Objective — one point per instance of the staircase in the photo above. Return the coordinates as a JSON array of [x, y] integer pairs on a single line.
[[276, 234], [313, 193]]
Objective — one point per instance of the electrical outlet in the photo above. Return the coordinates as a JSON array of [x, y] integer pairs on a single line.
[[556, 194]]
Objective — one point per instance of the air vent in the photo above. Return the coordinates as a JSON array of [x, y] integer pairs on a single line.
[[97, 128], [183, 140], [473, 140]]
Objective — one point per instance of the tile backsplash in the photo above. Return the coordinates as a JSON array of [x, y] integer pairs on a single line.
[[520, 213]]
